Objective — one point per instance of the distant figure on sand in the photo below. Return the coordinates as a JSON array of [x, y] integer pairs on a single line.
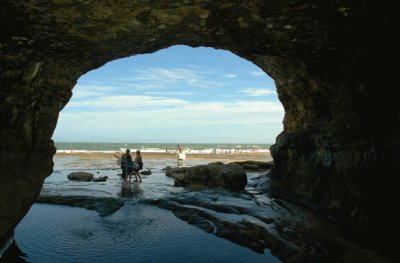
[[181, 156]]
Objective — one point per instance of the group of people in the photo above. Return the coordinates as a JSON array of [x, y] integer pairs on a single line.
[[129, 166]]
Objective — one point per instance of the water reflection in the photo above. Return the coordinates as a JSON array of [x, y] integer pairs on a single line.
[[130, 189], [135, 233], [79, 235]]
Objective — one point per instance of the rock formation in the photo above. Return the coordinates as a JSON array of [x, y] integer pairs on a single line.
[[228, 176], [339, 151], [100, 179], [146, 172], [105, 206], [255, 165], [80, 176]]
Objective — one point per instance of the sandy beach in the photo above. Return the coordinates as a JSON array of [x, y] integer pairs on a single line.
[[225, 158]]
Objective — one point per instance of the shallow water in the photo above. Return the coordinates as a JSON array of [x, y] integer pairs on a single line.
[[136, 233]]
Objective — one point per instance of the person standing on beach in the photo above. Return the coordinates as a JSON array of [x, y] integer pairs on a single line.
[[129, 167], [180, 149], [121, 162], [139, 162], [181, 156], [124, 158]]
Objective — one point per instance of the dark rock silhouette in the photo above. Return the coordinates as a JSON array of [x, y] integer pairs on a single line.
[[339, 151], [255, 165]]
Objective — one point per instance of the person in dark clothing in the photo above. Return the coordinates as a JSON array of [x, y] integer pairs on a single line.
[[124, 159], [138, 166]]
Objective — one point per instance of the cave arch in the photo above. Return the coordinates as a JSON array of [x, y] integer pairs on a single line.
[[328, 154]]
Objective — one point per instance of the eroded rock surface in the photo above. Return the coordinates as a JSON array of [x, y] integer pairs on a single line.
[[255, 220], [255, 165], [228, 176], [103, 205], [338, 153], [80, 176]]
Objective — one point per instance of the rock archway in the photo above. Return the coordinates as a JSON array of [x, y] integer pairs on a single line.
[[327, 157]]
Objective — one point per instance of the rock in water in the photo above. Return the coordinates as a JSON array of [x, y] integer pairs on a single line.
[[228, 176], [103, 205], [100, 179], [148, 172], [80, 176], [255, 165], [169, 171], [167, 168]]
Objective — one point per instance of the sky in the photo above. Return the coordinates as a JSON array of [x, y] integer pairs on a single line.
[[177, 95]]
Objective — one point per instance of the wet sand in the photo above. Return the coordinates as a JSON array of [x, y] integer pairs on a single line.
[[226, 158]]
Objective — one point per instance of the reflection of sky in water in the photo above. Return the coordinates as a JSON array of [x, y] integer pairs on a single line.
[[136, 233]]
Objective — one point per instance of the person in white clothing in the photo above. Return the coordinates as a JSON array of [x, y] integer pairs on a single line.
[[181, 156]]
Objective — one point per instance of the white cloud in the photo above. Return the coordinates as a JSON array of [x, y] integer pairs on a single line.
[[169, 93], [244, 121], [255, 92], [151, 79], [174, 113], [230, 75], [257, 73], [86, 91], [170, 75], [141, 85], [126, 118], [165, 77], [126, 102], [192, 66]]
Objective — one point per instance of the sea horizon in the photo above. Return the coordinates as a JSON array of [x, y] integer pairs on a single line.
[[161, 147]]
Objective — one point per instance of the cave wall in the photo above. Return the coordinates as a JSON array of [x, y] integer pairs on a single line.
[[327, 157]]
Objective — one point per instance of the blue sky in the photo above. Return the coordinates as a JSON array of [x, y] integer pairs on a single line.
[[178, 94]]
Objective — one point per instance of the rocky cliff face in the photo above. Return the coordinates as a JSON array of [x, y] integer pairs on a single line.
[[334, 146]]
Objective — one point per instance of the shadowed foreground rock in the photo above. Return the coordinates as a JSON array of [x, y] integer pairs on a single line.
[[253, 219], [228, 176], [255, 165]]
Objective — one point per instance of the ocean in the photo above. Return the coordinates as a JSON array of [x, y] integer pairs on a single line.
[[198, 148]]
